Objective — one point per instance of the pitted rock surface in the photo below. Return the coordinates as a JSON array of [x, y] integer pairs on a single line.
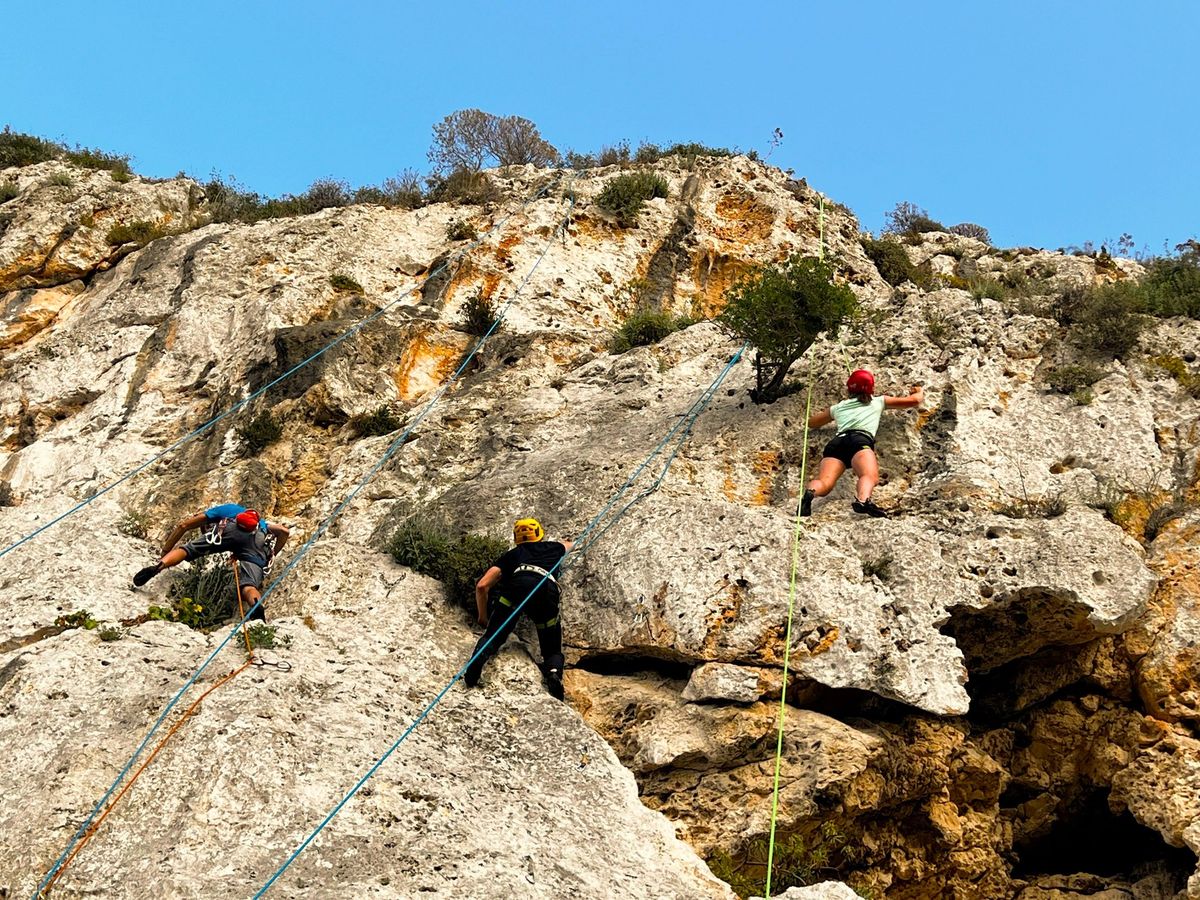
[[1067, 632]]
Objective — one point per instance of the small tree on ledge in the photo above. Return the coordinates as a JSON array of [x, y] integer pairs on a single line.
[[781, 309]]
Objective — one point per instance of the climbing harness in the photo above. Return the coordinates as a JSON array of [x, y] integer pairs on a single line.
[[352, 330], [787, 640], [587, 538], [92, 822], [533, 570], [215, 534]]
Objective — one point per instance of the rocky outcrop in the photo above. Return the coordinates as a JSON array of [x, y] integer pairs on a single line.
[[60, 226], [1006, 659], [257, 767]]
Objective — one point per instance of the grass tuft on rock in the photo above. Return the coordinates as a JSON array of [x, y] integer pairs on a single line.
[[259, 433], [647, 327], [379, 421], [140, 233], [340, 281]]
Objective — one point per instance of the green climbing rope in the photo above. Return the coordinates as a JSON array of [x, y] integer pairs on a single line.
[[787, 640]]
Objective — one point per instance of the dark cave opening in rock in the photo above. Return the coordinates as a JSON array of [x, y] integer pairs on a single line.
[[633, 664], [1090, 838]]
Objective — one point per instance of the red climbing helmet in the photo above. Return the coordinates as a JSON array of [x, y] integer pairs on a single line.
[[247, 520], [861, 382]]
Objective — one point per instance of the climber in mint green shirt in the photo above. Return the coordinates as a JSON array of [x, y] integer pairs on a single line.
[[853, 447]]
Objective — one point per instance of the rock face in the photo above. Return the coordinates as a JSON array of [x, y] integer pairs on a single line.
[[1008, 658]]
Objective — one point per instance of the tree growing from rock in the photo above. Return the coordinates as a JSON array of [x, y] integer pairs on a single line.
[[782, 309], [908, 218], [468, 139]]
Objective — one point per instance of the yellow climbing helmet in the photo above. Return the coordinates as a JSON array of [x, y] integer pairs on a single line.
[[527, 530]]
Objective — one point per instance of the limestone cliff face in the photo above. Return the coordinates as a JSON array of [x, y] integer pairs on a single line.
[[968, 683]]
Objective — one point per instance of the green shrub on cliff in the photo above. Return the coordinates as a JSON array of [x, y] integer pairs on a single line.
[[798, 861], [624, 196], [259, 433], [140, 233], [18, 149], [429, 547], [478, 314], [909, 219], [1105, 319], [892, 262], [1171, 286], [782, 309]]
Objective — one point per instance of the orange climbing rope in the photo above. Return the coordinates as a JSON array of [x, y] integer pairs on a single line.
[[237, 586], [92, 829], [87, 835]]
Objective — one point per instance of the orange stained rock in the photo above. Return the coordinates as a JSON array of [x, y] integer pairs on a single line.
[[830, 638], [491, 281], [713, 273], [729, 486], [729, 609], [304, 478], [27, 314], [172, 335], [923, 417], [767, 464], [506, 244], [26, 264], [466, 272], [425, 365], [743, 218]]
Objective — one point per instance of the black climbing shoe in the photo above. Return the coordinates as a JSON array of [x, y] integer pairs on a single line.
[[868, 508], [806, 503], [472, 675], [554, 683], [146, 574]]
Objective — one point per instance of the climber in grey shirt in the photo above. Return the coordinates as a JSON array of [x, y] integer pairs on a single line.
[[227, 528]]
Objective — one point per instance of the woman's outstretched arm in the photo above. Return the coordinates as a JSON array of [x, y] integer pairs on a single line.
[[819, 418], [915, 398]]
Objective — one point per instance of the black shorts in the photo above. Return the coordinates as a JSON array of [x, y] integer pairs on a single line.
[[845, 445], [250, 574]]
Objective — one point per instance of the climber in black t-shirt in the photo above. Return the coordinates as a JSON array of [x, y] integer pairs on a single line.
[[527, 570]]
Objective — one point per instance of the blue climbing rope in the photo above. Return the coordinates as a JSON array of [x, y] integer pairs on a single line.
[[393, 446], [354, 329], [587, 538]]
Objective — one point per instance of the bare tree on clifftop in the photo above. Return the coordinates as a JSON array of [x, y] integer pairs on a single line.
[[467, 139]]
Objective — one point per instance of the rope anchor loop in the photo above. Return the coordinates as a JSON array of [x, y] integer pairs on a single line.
[[281, 665]]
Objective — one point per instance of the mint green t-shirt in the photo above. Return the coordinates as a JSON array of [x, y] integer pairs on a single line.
[[852, 415]]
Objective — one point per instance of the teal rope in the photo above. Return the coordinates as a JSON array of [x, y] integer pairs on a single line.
[[679, 433], [391, 449], [262, 390]]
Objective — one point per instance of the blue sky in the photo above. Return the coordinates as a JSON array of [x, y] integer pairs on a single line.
[[1051, 123]]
